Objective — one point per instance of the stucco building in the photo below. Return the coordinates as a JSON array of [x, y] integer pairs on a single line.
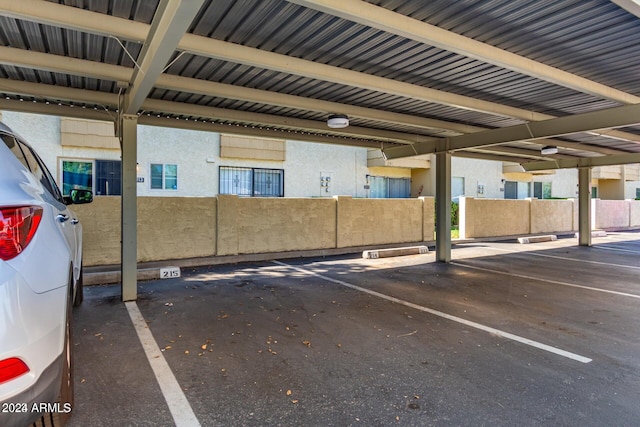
[[187, 163]]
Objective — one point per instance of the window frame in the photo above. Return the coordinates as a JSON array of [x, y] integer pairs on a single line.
[[387, 185], [251, 181], [164, 177]]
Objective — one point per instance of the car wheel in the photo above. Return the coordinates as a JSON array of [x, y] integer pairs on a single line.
[[79, 296], [66, 385]]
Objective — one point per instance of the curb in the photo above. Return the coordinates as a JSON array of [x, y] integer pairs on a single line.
[[386, 253]]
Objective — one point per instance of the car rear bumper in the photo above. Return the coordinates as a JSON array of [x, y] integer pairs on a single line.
[[24, 408], [33, 330]]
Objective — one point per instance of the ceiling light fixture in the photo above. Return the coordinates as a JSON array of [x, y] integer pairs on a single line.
[[338, 121], [549, 149]]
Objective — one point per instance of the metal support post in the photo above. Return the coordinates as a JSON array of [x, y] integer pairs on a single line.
[[443, 206], [584, 206], [129, 232]]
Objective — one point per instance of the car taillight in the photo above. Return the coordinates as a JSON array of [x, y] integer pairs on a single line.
[[12, 368], [17, 226]]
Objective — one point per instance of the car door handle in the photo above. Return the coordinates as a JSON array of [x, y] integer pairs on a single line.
[[74, 221], [62, 217]]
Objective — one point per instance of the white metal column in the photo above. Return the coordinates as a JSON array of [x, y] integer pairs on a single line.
[[129, 232], [443, 206], [584, 206]]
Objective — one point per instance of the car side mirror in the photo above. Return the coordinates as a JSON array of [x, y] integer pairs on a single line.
[[79, 197]]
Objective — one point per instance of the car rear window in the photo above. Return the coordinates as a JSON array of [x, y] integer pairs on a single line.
[[15, 149], [32, 162]]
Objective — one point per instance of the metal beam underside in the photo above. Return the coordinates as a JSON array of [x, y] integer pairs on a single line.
[[84, 68], [595, 120], [53, 14], [174, 122], [171, 20], [585, 162], [391, 22]]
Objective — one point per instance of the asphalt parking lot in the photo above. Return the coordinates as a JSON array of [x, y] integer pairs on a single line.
[[507, 334]]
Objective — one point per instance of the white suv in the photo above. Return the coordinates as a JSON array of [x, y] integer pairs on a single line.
[[40, 280]]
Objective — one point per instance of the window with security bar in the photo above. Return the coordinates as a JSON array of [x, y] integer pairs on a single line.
[[251, 182], [382, 187]]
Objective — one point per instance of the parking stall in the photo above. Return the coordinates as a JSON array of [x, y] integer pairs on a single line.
[[348, 341]]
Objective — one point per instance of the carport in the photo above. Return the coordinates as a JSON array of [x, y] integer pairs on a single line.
[[545, 85], [488, 80]]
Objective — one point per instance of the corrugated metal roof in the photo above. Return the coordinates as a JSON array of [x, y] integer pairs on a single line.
[[593, 39]]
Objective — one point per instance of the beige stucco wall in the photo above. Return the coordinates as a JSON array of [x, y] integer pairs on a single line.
[[100, 230], [494, 217], [428, 218], [551, 215], [258, 225], [168, 228], [378, 221], [611, 213], [176, 228], [182, 227], [634, 213]]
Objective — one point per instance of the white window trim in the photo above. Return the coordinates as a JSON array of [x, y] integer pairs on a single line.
[[164, 164]]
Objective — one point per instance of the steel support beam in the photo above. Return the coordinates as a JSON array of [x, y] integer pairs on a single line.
[[91, 69], [171, 20], [577, 123], [618, 159], [129, 231], [584, 206], [443, 206], [184, 84], [373, 16]]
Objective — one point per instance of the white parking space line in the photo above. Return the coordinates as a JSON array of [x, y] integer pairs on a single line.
[[608, 264], [178, 404], [615, 248], [493, 331], [555, 282]]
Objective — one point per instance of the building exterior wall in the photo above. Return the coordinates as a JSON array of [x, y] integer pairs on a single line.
[[632, 190], [611, 189], [43, 133], [307, 162], [197, 156], [189, 150], [564, 183], [479, 173]]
